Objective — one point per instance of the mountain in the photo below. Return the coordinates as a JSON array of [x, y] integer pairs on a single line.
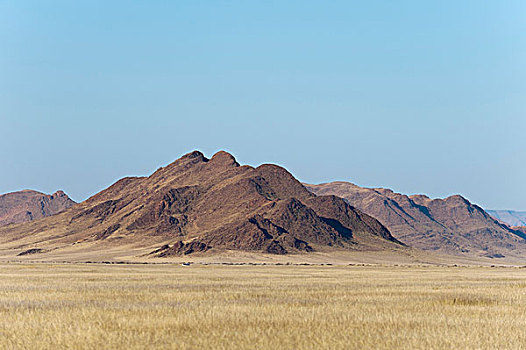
[[450, 225], [204, 205], [27, 205], [510, 217]]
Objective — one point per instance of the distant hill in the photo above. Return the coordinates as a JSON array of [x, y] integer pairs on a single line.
[[510, 217], [28, 205], [450, 225], [201, 205]]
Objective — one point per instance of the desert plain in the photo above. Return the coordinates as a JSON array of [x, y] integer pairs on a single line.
[[277, 306]]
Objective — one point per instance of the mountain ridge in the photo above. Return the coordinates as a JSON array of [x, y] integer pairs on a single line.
[[452, 225], [200, 205]]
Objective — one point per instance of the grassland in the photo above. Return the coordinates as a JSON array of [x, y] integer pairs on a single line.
[[86, 306]]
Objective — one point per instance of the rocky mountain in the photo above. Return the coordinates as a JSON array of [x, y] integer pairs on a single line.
[[510, 217], [28, 205], [197, 204], [451, 225]]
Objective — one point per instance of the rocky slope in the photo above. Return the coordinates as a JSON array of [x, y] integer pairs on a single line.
[[451, 225], [510, 217], [203, 205], [27, 205], [519, 229]]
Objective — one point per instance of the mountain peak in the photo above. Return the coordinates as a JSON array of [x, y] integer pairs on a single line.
[[456, 198], [59, 193], [195, 155], [224, 157]]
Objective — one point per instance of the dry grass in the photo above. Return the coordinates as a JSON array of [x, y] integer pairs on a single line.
[[75, 306]]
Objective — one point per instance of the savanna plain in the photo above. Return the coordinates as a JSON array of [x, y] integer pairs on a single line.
[[168, 306]]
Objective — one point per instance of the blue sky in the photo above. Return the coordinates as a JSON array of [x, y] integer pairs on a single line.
[[419, 96]]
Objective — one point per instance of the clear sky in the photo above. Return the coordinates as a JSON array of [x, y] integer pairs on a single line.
[[419, 96]]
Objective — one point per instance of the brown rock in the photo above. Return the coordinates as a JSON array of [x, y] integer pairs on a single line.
[[452, 225], [28, 205]]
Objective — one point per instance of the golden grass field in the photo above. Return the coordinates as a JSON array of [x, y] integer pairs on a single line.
[[97, 306]]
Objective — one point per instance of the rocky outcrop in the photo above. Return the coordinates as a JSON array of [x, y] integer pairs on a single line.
[[28, 205]]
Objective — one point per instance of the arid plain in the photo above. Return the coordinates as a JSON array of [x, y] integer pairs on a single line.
[[168, 306]]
